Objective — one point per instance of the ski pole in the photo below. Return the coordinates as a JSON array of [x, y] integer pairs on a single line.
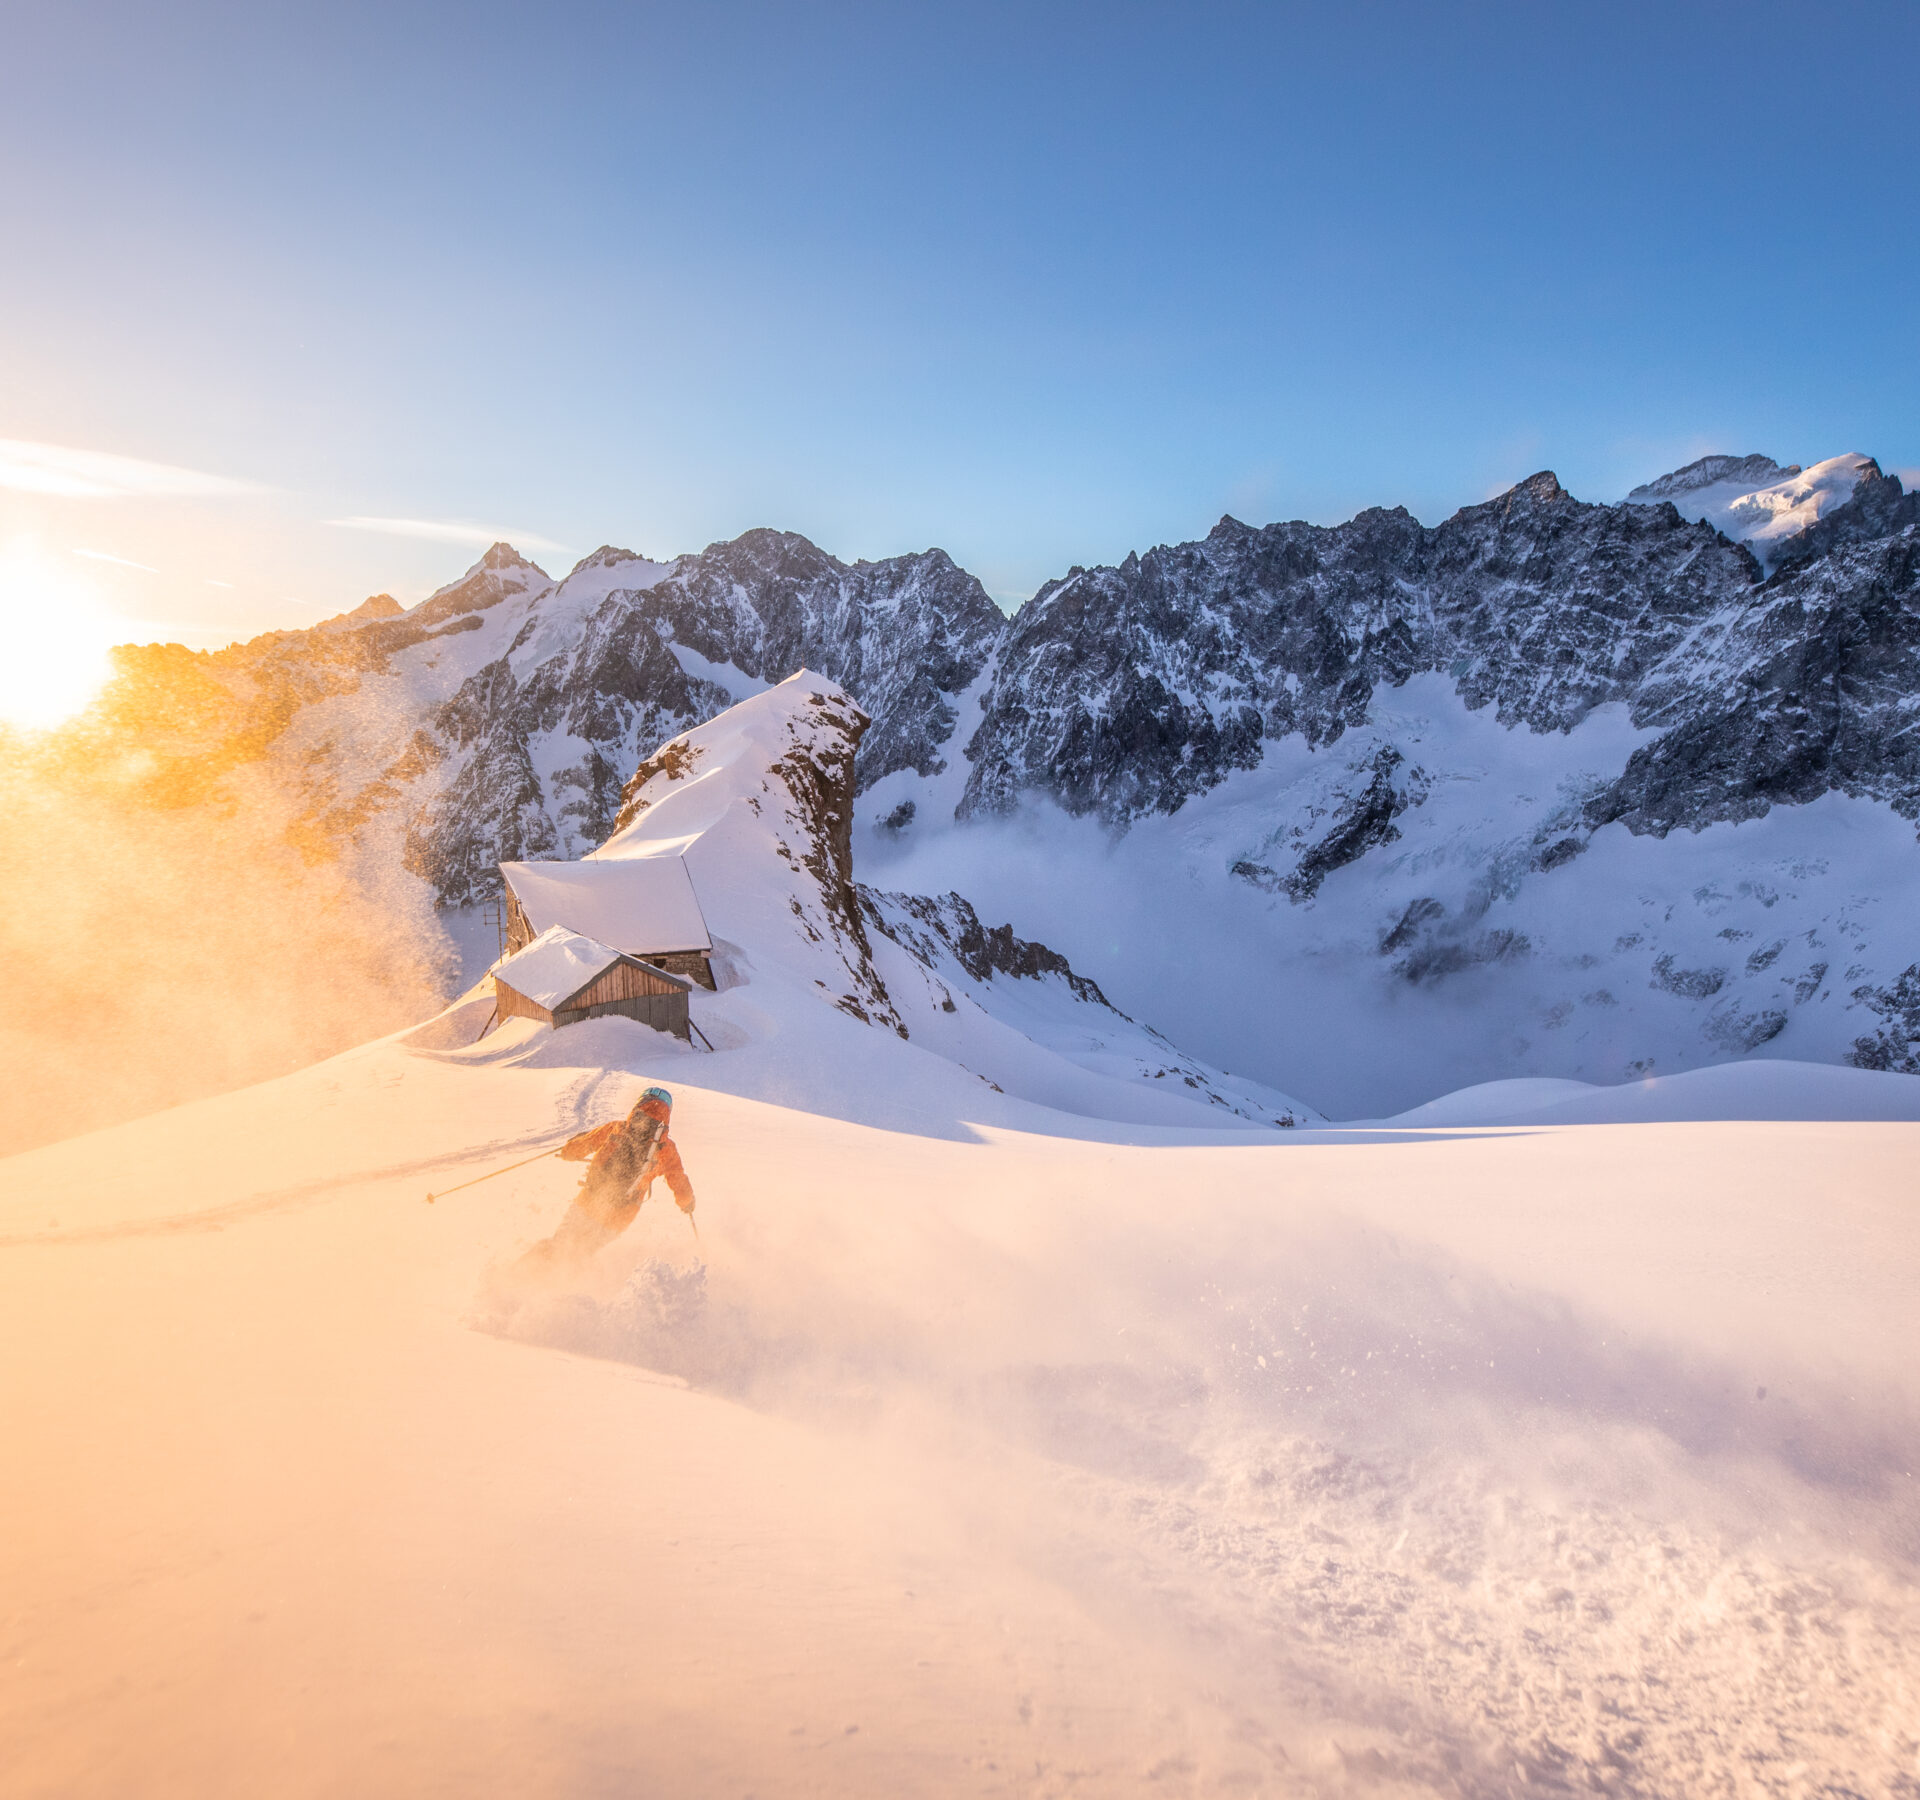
[[695, 1223], [508, 1170]]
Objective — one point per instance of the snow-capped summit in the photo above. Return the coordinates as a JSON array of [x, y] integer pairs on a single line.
[[1755, 501], [502, 574], [561, 618], [1746, 472], [610, 567]]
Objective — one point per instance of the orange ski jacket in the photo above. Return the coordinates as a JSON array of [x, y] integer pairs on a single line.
[[664, 1164]]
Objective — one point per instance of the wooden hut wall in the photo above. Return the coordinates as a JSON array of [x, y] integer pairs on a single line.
[[625, 981], [629, 989], [664, 1012], [515, 1005], [520, 931]]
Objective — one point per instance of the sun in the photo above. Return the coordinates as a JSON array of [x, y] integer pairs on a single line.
[[54, 640]]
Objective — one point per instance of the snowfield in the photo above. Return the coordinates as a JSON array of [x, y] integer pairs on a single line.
[[1034, 1414], [989, 1451]]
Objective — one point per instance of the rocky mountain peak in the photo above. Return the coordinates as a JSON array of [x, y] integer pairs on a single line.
[[1542, 489], [375, 606], [608, 556], [1711, 471], [501, 572]]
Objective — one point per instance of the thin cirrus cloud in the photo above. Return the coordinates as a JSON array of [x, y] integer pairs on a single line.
[[449, 532], [125, 562], [68, 474]]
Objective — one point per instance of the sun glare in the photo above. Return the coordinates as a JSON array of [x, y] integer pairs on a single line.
[[57, 635]]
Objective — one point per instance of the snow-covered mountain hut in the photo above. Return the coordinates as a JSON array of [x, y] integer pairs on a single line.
[[562, 977], [644, 906]]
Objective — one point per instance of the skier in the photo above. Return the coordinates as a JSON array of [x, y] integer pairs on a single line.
[[623, 1160]]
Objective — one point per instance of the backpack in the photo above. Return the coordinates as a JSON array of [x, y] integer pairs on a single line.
[[614, 1171]]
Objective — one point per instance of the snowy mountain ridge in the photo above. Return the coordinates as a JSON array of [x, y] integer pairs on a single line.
[[1121, 691], [1287, 712], [1746, 472]]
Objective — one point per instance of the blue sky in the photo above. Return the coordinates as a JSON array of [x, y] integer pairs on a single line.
[[1037, 284]]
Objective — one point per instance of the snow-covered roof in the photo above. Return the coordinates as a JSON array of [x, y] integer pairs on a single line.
[[644, 905], [556, 966]]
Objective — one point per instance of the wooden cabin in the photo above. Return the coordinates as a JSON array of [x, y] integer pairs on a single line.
[[642, 906], [562, 977]]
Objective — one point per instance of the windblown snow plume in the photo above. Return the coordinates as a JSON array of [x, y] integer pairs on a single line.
[[157, 951]]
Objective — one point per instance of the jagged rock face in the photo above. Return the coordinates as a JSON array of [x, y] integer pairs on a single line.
[[1813, 684], [1125, 691], [926, 926], [527, 755], [818, 773], [1896, 1045], [1360, 821], [905, 635], [491, 809], [1548, 607]]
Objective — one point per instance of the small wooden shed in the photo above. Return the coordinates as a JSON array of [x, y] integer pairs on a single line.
[[562, 977], [644, 906]]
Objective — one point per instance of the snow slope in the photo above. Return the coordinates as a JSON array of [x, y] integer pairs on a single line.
[[986, 1452], [1746, 1091]]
